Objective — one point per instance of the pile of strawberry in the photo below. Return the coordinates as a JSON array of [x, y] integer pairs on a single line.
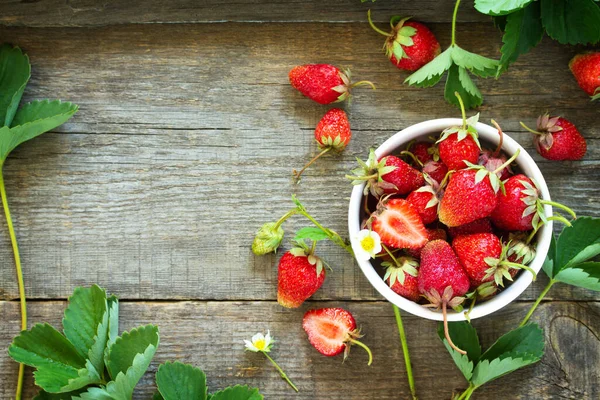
[[455, 220]]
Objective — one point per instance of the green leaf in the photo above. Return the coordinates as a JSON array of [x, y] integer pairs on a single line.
[[577, 243], [43, 395], [459, 81], [585, 275], [94, 393], [177, 381], [571, 21], [113, 320], [313, 233], [487, 371], [499, 22], [478, 65], [548, 265], [464, 336], [523, 31], [129, 358], [85, 324], [237, 393], [15, 72], [500, 7], [431, 73], [60, 368], [157, 396], [32, 120]]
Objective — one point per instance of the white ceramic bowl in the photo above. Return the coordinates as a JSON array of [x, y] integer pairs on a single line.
[[526, 165]]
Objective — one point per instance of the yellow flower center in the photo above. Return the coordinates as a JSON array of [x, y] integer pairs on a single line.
[[260, 344], [368, 244]]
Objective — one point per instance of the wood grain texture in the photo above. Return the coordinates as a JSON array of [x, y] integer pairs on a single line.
[[210, 335], [185, 141], [48, 13]]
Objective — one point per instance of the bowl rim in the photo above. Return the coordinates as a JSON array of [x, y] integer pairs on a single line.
[[527, 166]]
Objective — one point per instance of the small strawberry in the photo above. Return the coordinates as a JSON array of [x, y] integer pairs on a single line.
[[442, 280], [557, 139], [484, 259], [409, 45], [520, 207], [492, 159], [471, 194], [300, 275], [458, 144], [423, 151], [332, 133], [432, 234], [436, 170], [586, 69], [323, 83], [399, 225], [482, 225], [332, 331], [388, 175], [401, 275], [425, 200]]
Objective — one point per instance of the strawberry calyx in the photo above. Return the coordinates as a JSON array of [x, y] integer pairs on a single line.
[[500, 267], [519, 250], [301, 249], [398, 37], [596, 94], [397, 269], [371, 172], [546, 126], [346, 87], [433, 187], [467, 128], [494, 176], [352, 338], [442, 301]]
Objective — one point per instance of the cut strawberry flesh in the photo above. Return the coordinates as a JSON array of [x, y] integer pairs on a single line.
[[328, 329], [400, 226]]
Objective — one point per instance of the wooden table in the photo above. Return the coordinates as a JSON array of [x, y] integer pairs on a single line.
[[183, 146]]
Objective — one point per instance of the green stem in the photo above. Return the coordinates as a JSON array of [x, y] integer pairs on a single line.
[[559, 218], [297, 174], [389, 253], [529, 129], [454, 22], [15, 246], [561, 206], [362, 83], [462, 110], [364, 346], [334, 236], [520, 266], [283, 375], [537, 302], [467, 394], [404, 343], [285, 216], [507, 162], [376, 29]]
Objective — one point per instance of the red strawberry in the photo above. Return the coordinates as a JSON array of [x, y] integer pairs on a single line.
[[432, 234], [425, 201], [401, 276], [492, 159], [388, 175], [422, 152], [332, 133], [455, 151], [466, 199], [436, 169], [478, 226], [442, 279], [332, 331], [409, 45], [557, 139], [399, 225], [323, 83], [484, 259], [586, 69], [300, 275]]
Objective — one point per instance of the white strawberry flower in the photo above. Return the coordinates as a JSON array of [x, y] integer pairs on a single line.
[[370, 244], [260, 342]]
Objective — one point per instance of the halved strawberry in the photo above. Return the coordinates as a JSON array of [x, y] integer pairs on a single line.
[[332, 331], [399, 225]]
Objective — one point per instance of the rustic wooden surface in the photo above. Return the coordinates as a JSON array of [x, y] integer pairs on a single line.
[[184, 144]]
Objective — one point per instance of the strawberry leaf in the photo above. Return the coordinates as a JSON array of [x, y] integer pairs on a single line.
[[548, 265], [571, 21], [85, 324], [15, 72], [577, 243], [585, 275], [516, 349], [431, 73], [177, 381], [237, 393], [480, 66], [43, 395], [312, 233], [94, 393], [500, 7], [464, 335], [60, 367], [458, 80], [523, 31]]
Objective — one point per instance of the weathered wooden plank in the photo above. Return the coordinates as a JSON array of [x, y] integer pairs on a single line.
[[48, 13], [210, 334], [186, 139]]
